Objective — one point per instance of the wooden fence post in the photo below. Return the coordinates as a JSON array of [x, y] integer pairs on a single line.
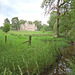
[[29, 40], [74, 46], [5, 38]]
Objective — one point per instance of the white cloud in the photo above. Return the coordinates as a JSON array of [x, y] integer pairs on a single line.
[[2, 17], [24, 9], [4, 1], [2, 20]]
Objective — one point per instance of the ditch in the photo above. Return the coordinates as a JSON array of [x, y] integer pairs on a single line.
[[62, 67]]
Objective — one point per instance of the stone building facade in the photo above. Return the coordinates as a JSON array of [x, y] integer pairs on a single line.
[[28, 27]]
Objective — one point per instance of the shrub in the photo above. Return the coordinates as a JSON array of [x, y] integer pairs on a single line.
[[6, 27]]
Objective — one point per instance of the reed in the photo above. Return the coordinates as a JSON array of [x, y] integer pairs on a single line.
[[24, 59]]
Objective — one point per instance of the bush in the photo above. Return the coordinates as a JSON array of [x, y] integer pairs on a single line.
[[72, 35], [6, 27], [43, 30]]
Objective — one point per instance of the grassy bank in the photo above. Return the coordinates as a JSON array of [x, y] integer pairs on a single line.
[[18, 59]]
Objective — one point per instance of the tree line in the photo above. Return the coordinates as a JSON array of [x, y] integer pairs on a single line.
[[15, 24]]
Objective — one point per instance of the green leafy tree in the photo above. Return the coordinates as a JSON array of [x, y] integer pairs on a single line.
[[44, 28], [30, 22], [67, 23], [15, 23], [38, 24], [22, 21], [73, 4], [1, 27], [6, 27], [72, 24], [6, 21], [49, 5], [52, 19]]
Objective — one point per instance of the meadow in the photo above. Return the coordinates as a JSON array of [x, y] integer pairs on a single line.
[[24, 59]]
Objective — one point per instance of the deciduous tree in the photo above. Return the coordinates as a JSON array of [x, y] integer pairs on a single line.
[[22, 21], [30, 22], [51, 5], [6, 27], [15, 23], [52, 20], [6, 21], [38, 24]]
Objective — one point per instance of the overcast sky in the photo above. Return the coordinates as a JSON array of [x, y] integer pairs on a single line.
[[29, 10]]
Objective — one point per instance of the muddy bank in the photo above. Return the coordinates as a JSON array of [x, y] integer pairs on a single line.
[[62, 66]]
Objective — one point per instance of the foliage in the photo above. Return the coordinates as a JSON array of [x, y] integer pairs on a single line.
[[61, 5], [30, 22], [6, 27], [44, 28], [6, 21], [52, 19], [15, 23], [72, 4], [67, 24], [72, 64], [54, 27], [38, 24], [22, 21], [1, 27], [72, 35], [46, 4], [66, 16]]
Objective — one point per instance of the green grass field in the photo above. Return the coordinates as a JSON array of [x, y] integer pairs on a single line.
[[21, 59]]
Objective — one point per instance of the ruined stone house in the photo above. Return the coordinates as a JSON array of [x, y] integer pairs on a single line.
[[28, 27]]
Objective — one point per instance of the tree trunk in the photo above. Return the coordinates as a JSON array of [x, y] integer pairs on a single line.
[[5, 38], [58, 14], [74, 46], [29, 40]]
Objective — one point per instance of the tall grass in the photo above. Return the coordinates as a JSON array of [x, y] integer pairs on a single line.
[[18, 59]]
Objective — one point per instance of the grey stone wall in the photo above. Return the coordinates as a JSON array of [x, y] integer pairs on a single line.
[[28, 27]]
